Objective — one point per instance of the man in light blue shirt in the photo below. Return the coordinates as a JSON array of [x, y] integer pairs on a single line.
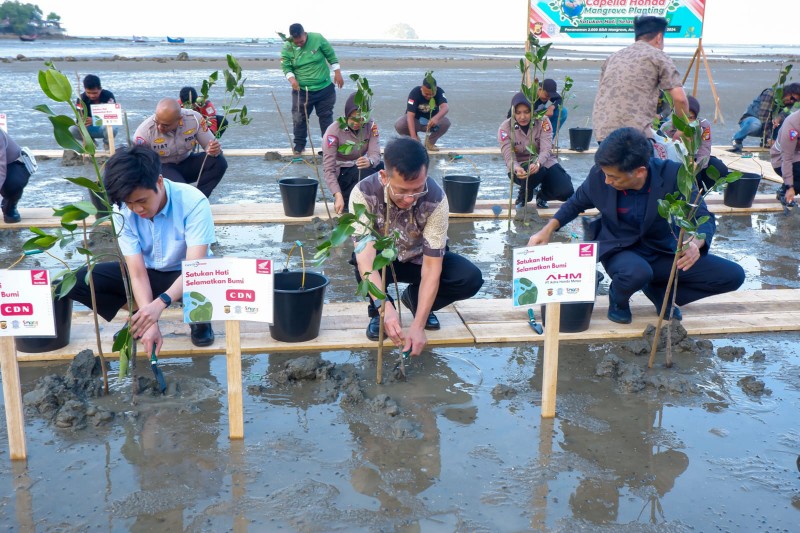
[[163, 223]]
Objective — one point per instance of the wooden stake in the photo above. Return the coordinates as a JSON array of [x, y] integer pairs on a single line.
[[233, 355], [541, 492], [718, 109], [12, 396], [550, 364], [697, 66], [110, 132]]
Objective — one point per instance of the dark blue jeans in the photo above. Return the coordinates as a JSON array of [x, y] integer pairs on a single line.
[[321, 102]]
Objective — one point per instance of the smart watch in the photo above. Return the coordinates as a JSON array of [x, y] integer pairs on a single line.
[[164, 297]]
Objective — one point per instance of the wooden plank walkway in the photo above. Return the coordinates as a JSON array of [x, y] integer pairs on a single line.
[[496, 321], [343, 327], [444, 152], [252, 213], [478, 321], [763, 203]]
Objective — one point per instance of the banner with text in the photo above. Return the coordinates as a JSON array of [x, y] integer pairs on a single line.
[[609, 19], [26, 304], [227, 288], [559, 272]]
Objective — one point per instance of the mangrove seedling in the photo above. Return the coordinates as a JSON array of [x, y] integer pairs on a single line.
[[74, 215], [679, 209], [385, 245]]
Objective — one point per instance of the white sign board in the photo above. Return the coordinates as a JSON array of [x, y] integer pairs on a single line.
[[3, 122], [227, 288], [26, 304], [559, 272], [107, 114]]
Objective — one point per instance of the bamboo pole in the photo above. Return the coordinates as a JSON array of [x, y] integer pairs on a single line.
[[12, 396], [697, 66], [233, 356], [550, 364], [718, 109]]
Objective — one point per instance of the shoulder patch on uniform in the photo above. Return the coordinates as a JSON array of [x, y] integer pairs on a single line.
[[503, 135], [706, 134], [546, 125], [332, 140], [204, 124], [374, 130], [410, 101], [188, 132], [141, 140], [793, 134]]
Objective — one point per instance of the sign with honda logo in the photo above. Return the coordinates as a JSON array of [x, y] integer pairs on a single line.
[[559, 272], [227, 288]]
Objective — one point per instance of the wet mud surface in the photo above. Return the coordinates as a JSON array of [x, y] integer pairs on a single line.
[[457, 446]]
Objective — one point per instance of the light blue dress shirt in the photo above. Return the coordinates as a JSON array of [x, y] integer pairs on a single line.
[[185, 221]]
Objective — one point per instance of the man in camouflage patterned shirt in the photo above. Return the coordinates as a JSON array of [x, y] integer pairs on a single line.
[[631, 79]]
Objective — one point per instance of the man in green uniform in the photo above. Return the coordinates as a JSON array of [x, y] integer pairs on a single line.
[[305, 58]]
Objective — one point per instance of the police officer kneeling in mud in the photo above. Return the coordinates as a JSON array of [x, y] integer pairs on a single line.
[[418, 210], [173, 132], [635, 244]]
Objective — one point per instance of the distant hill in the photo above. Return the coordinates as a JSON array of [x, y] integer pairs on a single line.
[[401, 31]]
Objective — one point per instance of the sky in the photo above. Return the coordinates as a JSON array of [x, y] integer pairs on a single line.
[[727, 21]]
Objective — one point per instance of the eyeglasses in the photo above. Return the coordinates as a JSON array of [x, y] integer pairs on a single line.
[[408, 196]]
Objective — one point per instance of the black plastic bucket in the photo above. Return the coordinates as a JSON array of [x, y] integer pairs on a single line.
[[742, 192], [62, 309], [297, 313], [575, 316], [299, 196], [580, 139], [462, 192]]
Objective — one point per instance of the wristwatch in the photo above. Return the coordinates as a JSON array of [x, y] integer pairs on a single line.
[[164, 297]]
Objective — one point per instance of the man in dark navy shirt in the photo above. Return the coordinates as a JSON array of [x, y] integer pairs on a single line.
[[422, 116], [635, 244], [93, 94]]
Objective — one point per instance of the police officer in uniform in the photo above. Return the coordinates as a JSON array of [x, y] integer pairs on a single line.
[[173, 132], [543, 168]]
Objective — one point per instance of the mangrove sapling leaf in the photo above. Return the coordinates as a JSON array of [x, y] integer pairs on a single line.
[[61, 125], [380, 261], [346, 148], [702, 220], [44, 108], [68, 281], [86, 183], [55, 85], [389, 253], [375, 291]]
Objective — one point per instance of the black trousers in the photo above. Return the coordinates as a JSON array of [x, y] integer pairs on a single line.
[[109, 289], [633, 268], [16, 179], [321, 102], [705, 179], [779, 172], [556, 185], [348, 178], [460, 280], [188, 170]]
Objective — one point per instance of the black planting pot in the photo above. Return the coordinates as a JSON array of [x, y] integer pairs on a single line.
[[575, 316], [742, 192], [299, 196], [462, 192], [62, 309], [297, 312], [580, 139]]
